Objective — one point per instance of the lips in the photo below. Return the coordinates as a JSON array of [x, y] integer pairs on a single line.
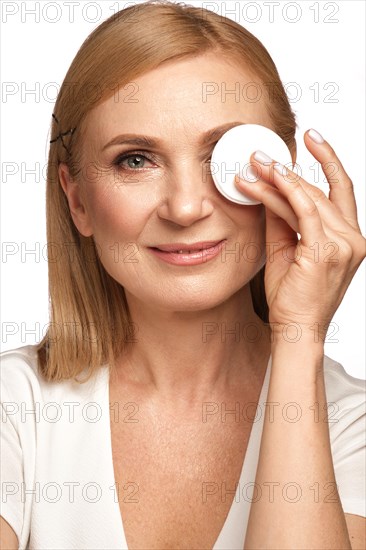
[[188, 254], [181, 248]]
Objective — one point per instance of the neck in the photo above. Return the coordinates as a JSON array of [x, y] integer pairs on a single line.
[[195, 352]]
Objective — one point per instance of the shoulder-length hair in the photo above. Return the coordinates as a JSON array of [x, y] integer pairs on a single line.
[[90, 324]]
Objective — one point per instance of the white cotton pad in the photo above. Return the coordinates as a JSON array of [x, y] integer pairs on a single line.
[[231, 155]]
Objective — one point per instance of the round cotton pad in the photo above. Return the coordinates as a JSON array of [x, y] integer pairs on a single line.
[[231, 155]]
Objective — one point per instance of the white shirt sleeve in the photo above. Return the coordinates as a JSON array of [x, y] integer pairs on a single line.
[[11, 469], [347, 429], [19, 391]]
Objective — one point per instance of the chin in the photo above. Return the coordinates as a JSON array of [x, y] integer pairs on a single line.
[[186, 299]]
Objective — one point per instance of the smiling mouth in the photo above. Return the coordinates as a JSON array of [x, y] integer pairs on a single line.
[[188, 251], [188, 254], [181, 248]]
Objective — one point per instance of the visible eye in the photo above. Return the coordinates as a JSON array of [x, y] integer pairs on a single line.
[[137, 161]]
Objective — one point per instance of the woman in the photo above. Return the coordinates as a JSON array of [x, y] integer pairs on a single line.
[[180, 396]]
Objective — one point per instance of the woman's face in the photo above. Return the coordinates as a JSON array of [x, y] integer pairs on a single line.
[[164, 193]]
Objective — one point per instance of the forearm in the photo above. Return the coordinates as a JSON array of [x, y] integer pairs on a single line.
[[299, 505]]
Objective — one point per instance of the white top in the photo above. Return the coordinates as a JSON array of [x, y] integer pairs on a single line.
[[57, 478]]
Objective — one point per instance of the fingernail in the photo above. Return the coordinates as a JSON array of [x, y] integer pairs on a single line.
[[280, 168], [315, 136], [248, 175], [262, 157]]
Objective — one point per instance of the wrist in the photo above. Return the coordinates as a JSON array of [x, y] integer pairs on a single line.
[[296, 334], [304, 357]]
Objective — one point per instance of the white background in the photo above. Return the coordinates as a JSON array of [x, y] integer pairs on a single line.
[[319, 50]]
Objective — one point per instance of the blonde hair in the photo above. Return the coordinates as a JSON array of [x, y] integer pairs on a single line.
[[89, 319]]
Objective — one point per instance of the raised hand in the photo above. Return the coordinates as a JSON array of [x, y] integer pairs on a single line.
[[306, 278]]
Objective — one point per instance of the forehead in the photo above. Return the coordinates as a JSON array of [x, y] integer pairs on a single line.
[[184, 97]]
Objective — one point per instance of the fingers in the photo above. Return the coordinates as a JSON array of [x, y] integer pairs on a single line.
[[277, 205], [278, 230], [341, 192], [288, 183], [281, 221]]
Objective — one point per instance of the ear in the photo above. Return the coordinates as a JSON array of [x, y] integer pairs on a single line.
[[74, 198]]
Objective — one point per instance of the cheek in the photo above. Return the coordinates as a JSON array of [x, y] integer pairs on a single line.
[[250, 219], [250, 240], [118, 213], [118, 216]]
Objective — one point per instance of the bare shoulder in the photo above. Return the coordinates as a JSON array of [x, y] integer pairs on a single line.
[[8, 538], [356, 526]]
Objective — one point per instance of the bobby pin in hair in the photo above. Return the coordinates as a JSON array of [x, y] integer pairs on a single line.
[[62, 134]]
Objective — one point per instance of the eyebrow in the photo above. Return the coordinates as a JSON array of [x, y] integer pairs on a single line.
[[147, 141]]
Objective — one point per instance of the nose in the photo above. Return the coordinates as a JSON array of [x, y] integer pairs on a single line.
[[187, 196]]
